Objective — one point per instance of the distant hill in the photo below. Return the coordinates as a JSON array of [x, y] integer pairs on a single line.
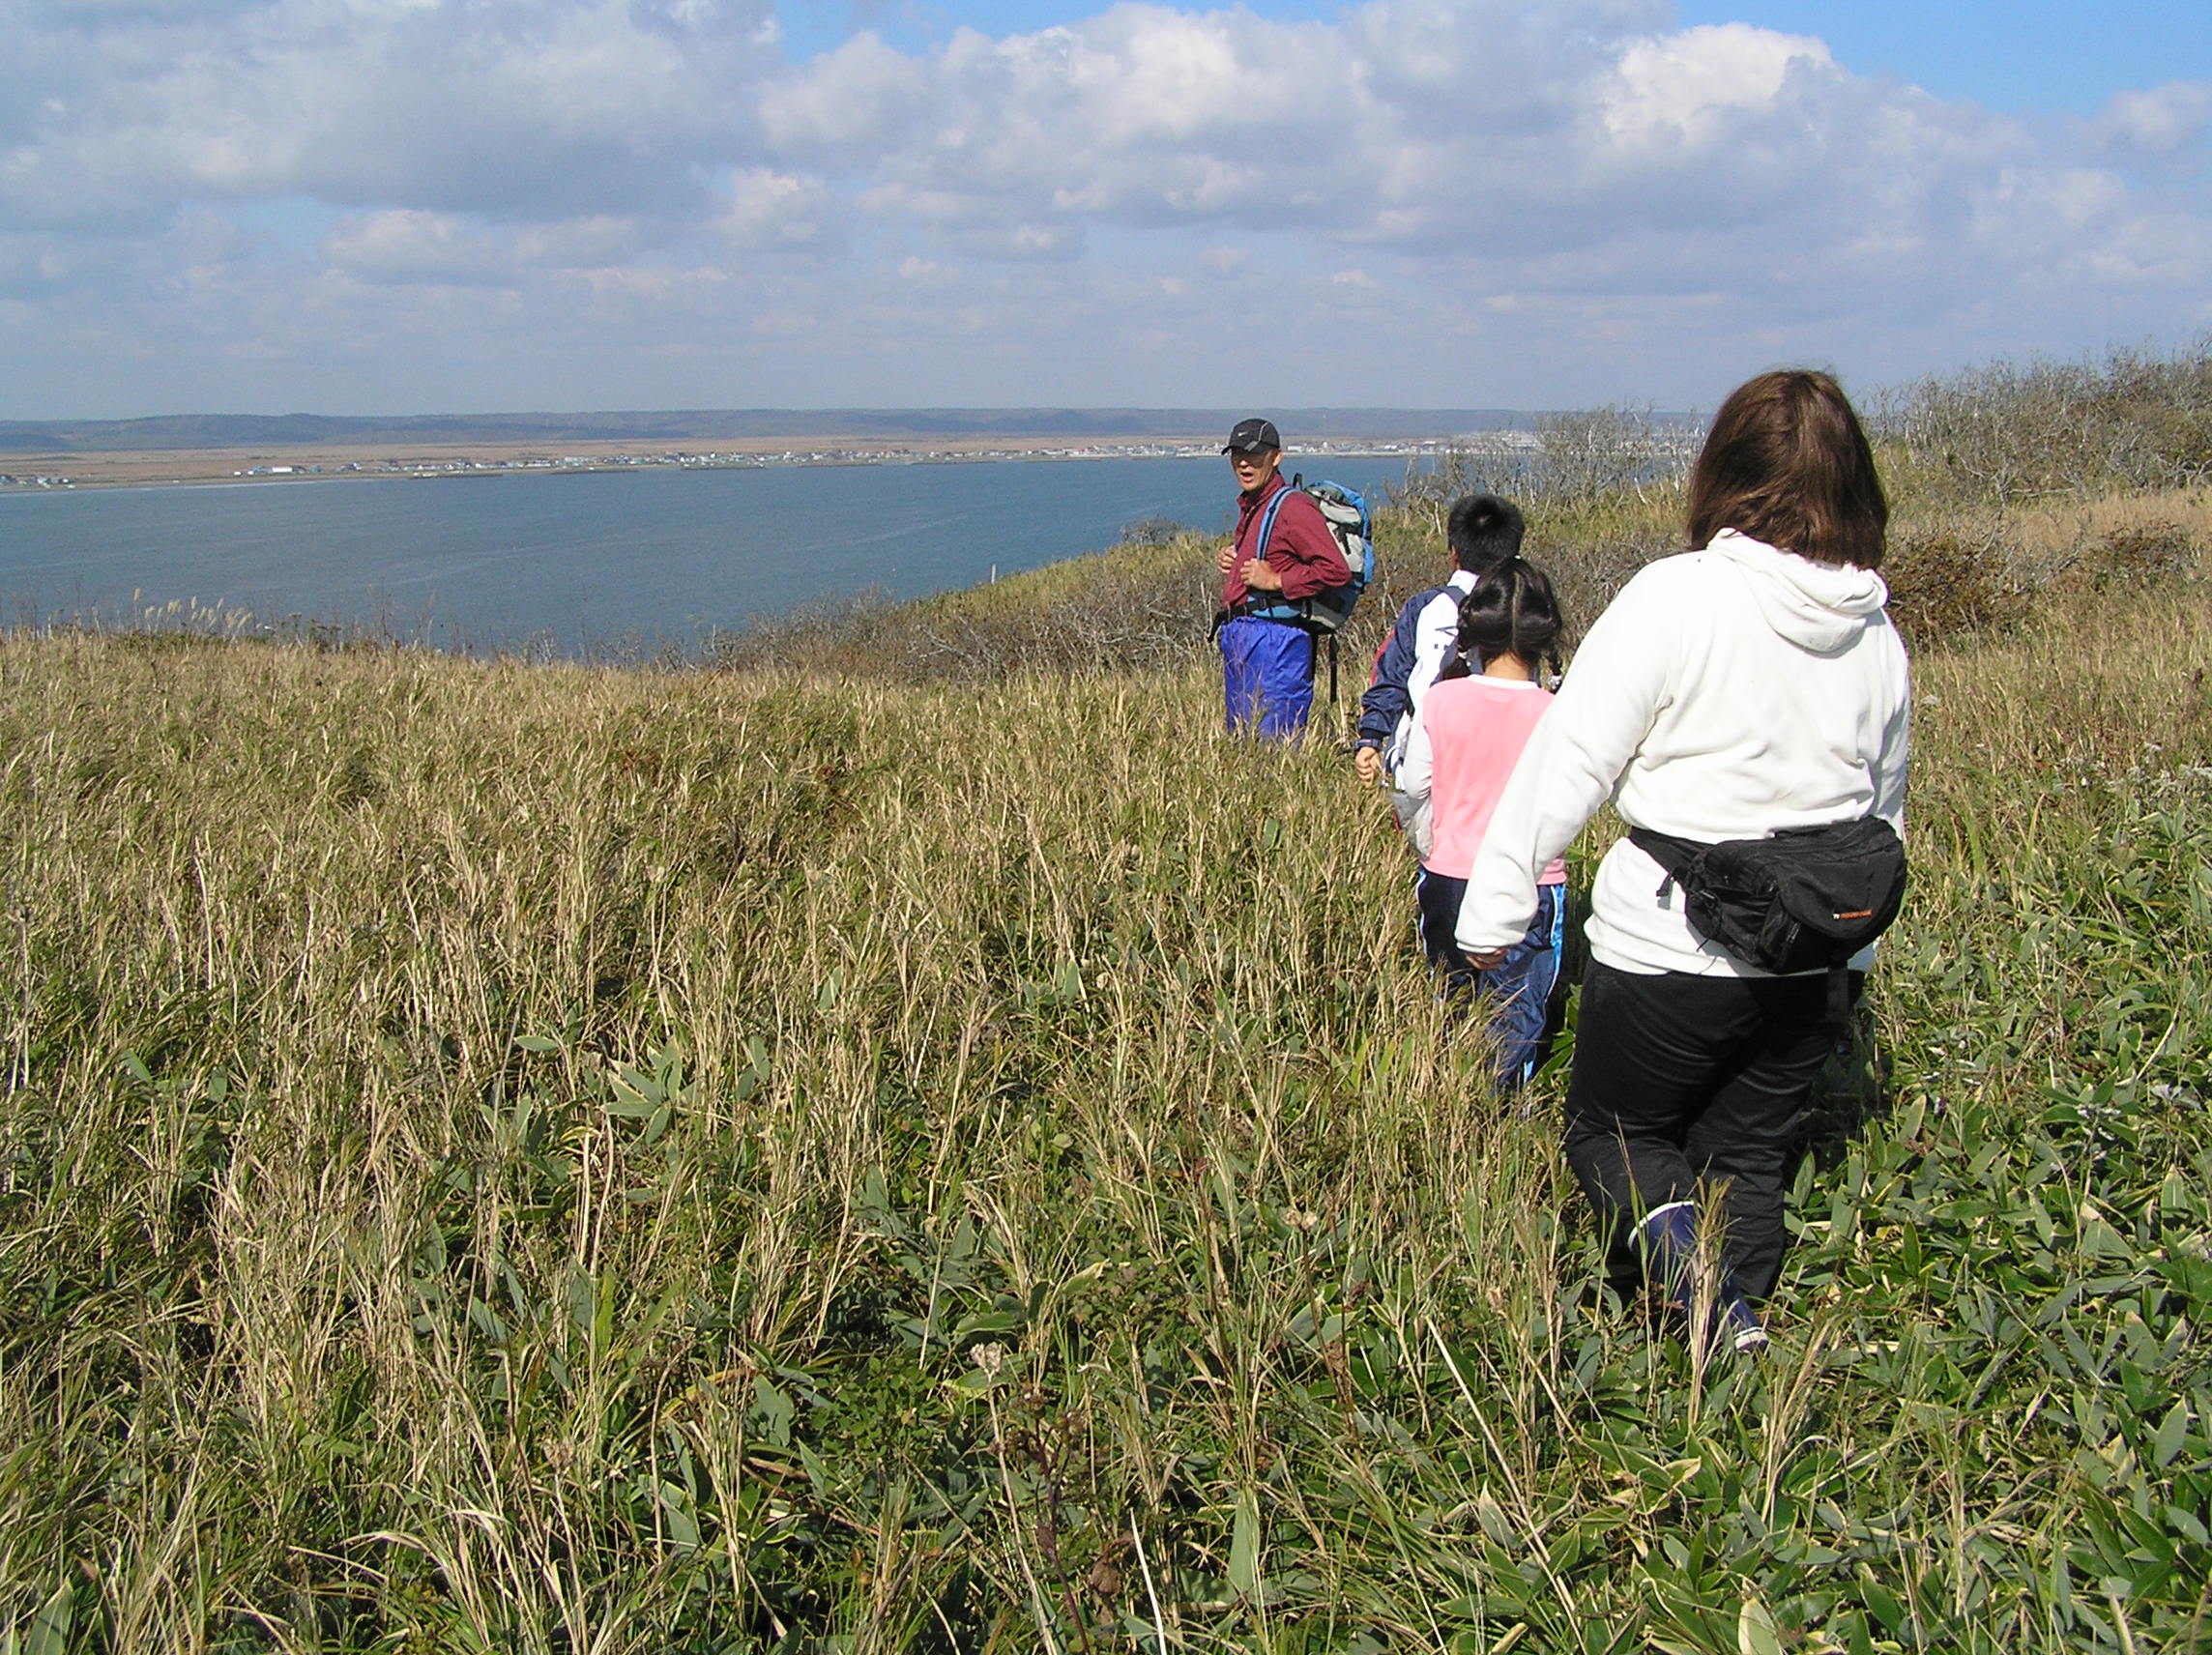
[[269, 430]]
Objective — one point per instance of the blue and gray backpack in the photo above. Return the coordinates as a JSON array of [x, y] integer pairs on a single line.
[[1324, 614], [1344, 512]]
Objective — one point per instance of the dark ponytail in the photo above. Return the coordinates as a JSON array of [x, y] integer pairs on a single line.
[[1512, 611]]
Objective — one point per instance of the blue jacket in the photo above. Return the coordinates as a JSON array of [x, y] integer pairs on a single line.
[[1420, 644]]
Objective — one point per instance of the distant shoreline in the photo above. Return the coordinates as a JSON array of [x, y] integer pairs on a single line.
[[62, 470]]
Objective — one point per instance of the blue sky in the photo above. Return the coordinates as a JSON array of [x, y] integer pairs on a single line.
[[2027, 56], [2024, 56], [387, 206]]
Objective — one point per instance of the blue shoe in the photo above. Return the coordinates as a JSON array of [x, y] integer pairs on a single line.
[[1668, 1238]]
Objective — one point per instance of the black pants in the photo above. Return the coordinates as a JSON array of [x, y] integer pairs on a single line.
[[1694, 1089]]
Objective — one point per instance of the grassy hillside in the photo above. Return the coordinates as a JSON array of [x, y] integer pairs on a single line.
[[534, 1159], [2010, 488]]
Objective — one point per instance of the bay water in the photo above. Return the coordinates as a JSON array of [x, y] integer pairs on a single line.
[[579, 563]]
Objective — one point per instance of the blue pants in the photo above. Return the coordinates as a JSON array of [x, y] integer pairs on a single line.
[[1266, 677], [1517, 991]]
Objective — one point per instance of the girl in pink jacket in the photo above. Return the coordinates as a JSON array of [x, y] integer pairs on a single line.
[[1470, 731]]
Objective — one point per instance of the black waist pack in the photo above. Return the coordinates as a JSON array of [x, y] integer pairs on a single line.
[[1802, 900]]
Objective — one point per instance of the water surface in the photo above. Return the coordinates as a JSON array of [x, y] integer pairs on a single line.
[[572, 562]]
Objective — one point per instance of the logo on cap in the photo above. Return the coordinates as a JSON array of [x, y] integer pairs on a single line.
[[1251, 436]]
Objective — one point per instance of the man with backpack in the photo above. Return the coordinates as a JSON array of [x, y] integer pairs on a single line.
[[1282, 555], [1484, 534]]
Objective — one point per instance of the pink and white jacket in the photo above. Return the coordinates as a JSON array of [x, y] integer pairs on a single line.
[[1467, 733]]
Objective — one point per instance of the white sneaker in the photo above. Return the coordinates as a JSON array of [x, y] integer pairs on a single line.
[[1745, 1333]]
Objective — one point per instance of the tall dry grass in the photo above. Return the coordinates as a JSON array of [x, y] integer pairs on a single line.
[[546, 1159], [915, 1140]]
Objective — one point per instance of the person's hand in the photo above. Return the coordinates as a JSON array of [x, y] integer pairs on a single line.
[[1260, 577], [1226, 561], [1368, 763], [1489, 960]]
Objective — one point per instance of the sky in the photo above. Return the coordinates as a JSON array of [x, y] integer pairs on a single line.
[[455, 206]]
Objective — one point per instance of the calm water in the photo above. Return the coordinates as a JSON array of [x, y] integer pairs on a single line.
[[571, 562]]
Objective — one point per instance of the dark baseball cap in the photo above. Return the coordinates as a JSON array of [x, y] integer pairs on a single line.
[[1251, 436]]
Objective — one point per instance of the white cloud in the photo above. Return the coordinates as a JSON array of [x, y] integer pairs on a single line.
[[769, 208], [2163, 124], [410, 244], [1506, 201], [31, 265], [1691, 84], [554, 107]]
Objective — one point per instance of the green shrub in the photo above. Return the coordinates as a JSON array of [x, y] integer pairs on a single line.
[[2141, 555], [1946, 583]]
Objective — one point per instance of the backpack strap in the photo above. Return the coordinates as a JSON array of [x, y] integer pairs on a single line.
[[1267, 521], [1296, 608]]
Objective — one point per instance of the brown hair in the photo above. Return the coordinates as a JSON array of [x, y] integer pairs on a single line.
[[1787, 462]]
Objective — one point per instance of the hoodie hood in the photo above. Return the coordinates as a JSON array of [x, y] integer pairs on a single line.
[[1817, 606]]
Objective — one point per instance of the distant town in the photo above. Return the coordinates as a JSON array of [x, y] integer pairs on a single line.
[[105, 472]]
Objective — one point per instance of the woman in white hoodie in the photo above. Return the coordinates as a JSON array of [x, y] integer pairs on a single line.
[[1752, 685]]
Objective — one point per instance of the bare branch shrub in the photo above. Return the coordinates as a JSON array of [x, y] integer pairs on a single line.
[[1579, 458], [1426, 495], [1595, 452], [1156, 532], [2004, 433]]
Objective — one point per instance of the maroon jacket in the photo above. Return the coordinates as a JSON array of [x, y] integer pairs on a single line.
[[1301, 549]]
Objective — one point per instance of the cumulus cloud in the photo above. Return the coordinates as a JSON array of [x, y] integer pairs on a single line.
[[1423, 127], [532, 106], [1539, 195], [411, 244], [2163, 124], [766, 209], [32, 266], [1693, 85]]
